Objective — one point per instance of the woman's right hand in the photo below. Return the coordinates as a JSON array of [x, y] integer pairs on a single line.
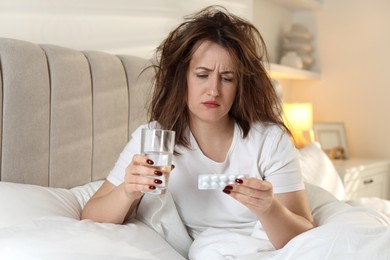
[[140, 176], [114, 204]]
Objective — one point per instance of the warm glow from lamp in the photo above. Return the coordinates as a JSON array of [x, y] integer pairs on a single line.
[[299, 118]]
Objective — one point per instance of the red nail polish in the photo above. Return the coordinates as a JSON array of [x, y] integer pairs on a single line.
[[149, 162], [228, 187], [152, 187], [239, 181], [158, 173], [226, 191], [157, 181], [172, 167]]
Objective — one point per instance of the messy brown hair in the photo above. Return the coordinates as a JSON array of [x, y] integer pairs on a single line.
[[256, 99]]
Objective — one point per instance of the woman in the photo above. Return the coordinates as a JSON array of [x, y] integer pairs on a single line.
[[212, 89]]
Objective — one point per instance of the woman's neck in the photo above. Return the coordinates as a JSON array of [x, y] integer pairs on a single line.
[[214, 139]]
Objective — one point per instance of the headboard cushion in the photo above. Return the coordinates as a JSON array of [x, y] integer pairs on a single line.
[[26, 113], [66, 114], [110, 110]]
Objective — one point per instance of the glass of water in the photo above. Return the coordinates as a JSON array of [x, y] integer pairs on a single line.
[[158, 145]]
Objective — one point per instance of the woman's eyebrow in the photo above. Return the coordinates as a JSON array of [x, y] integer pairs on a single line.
[[203, 68], [207, 69]]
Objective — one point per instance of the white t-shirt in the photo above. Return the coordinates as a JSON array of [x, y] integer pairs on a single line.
[[267, 152]]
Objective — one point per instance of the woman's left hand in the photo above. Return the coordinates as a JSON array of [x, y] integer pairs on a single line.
[[254, 193]]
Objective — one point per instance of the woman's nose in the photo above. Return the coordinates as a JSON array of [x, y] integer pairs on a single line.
[[214, 93], [214, 88]]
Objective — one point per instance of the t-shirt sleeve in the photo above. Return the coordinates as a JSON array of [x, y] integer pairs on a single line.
[[281, 164], [117, 174]]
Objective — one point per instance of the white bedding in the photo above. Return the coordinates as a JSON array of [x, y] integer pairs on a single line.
[[43, 223], [66, 238], [343, 232]]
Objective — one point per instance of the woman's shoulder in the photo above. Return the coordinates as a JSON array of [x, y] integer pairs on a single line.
[[267, 128]]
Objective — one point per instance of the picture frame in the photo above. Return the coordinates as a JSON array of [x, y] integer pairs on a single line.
[[333, 139]]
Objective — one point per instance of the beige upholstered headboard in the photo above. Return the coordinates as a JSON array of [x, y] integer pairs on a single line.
[[66, 114]]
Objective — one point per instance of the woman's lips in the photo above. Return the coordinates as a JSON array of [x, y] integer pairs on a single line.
[[211, 104]]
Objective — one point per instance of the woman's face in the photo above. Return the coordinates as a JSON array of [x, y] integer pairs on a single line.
[[212, 83]]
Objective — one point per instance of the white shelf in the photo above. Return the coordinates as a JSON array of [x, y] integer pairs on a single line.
[[283, 72], [300, 5]]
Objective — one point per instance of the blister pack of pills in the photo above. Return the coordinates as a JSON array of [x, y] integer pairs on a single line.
[[217, 181]]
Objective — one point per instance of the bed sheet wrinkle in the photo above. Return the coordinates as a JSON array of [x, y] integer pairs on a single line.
[[220, 244], [161, 215], [340, 211], [378, 204]]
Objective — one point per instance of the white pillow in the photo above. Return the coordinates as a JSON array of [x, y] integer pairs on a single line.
[[23, 202], [317, 197], [318, 169]]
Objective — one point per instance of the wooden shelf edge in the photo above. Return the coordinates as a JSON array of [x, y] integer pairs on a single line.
[[283, 72]]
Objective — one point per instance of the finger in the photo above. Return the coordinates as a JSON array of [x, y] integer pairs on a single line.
[[251, 198], [144, 175], [142, 160], [251, 187], [139, 182], [255, 183], [248, 192], [147, 170], [140, 169], [143, 179], [248, 201], [140, 188]]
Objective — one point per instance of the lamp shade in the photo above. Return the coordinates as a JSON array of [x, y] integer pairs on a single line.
[[298, 116]]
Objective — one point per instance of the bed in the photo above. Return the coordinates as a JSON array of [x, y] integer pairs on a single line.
[[67, 114]]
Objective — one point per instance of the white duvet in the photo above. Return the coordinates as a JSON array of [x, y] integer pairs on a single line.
[[66, 238], [343, 232], [42, 223]]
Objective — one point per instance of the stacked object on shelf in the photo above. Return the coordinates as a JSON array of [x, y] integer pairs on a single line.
[[298, 42]]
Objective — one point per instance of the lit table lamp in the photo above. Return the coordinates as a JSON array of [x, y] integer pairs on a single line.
[[299, 119]]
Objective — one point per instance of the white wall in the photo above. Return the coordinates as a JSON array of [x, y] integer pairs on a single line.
[[272, 21], [116, 26], [353, 39]]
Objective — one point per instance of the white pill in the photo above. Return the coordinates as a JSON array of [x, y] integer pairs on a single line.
[[215, 181], [223, 178], [214, 185], [204, 185], [205, 178], [222, 184], [214, 178], [232, 177]]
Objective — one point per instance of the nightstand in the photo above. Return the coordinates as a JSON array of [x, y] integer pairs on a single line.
[[364, 177]]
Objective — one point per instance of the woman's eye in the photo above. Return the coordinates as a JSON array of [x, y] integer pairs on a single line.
[[202, 76], [228, 79]]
